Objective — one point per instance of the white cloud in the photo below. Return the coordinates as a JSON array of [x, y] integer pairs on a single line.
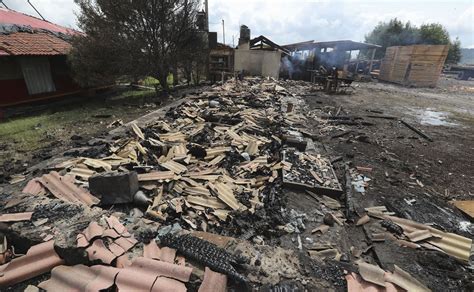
[[287, 21]]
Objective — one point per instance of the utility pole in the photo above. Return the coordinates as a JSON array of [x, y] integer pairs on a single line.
[[233, 42], [223, 32]]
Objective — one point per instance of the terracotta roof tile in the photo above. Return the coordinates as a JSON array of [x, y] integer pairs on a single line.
[[163, 284], [93, 230], [213, 282], [80, 278], [24, 43], [98, 251], [126, 242], [151, 250], [38, 260], [33, 187], [14, 217], [151, 275], [163, 269], [168, 254], [82, 240], [63, 188], [116, 249]]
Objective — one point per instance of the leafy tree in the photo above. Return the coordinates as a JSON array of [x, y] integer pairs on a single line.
[[393, 33], [434, 34], [397, 33], [133, 38], [454, 53]]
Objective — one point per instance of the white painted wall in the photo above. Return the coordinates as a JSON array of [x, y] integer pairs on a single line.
[[256, 62]]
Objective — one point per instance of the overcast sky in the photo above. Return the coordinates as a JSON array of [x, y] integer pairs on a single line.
[[288, 21]]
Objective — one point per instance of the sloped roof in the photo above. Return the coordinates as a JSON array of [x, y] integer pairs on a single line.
[[343, 44], [32, 44], [8, 16]]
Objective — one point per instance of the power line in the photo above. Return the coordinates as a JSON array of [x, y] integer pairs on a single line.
[[1, 2]]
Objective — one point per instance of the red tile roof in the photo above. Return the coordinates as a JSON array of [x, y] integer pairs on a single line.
[[8, 16], [23, 43]]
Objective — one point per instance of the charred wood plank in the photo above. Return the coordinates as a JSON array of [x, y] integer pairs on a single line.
[[419, 132]]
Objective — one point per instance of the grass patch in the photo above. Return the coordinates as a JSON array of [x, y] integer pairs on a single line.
[[28, 132], [132, 94]]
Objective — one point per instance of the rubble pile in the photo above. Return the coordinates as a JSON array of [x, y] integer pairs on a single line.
[[198, 200]]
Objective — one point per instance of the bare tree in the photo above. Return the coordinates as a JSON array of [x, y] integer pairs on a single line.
[[133, 38]]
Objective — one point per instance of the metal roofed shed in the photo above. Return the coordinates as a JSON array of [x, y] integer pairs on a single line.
[[350, 58]]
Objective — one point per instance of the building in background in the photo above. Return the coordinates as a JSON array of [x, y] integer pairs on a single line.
[[33, 62], [259, 56]]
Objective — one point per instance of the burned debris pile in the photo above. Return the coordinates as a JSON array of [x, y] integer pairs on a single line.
[[198, 199]]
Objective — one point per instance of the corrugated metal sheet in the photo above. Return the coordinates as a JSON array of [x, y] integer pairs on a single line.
[[37, 75], [80, 278], [33, 44], [38, 260], [63, 188], [8, 16]]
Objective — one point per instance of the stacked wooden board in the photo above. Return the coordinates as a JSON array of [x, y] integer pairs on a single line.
[[417, 65]]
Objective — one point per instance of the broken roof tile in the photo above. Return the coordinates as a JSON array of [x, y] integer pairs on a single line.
[[93, 230], [81, 240], [372, 273], [156, 175], [162, 268], [225, 193], [163, 284], [213, 282], [151, 275], [151, 250], [33, 187], [98, 251], [64, 189], [39, 259], [15, 217], [80, 278], [405, 280], [125, 242], [167, 254]]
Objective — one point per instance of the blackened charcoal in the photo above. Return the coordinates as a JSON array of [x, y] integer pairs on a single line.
[[392, 227], [206, 253]]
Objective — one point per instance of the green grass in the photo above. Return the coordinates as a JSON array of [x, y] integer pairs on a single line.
[[25, 133], [132, 94], [150, 81], [28, 133]]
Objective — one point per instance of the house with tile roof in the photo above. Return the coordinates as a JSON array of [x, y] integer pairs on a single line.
[[33, 64]]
